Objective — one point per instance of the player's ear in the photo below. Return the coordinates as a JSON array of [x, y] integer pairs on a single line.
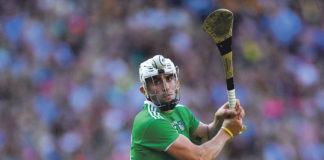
[[177, 83], [142, 90]]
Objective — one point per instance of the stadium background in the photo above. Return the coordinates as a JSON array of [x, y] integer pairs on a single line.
[[69, 74]]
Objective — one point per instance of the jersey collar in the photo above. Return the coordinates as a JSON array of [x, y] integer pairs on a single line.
[[151, 103]]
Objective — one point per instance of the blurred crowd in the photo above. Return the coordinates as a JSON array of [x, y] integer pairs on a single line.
[[69, 86]]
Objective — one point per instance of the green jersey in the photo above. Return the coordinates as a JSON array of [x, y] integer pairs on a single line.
[[154, 131]]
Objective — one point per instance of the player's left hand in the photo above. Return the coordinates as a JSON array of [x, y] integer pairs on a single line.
[[224, 112]]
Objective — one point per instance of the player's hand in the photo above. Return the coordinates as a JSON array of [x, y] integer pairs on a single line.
[[239, 109], [234, 123], [224, 112], [234, 126]]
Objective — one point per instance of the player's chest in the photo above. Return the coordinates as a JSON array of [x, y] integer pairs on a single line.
[[180, 125]]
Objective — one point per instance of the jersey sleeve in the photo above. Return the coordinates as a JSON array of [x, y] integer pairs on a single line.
[[159, 135], [194, 122]]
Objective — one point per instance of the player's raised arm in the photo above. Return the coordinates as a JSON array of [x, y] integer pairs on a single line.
[[206, 132], [182, 148]]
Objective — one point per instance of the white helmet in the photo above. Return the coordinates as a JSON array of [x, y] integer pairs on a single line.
[[159, 65]]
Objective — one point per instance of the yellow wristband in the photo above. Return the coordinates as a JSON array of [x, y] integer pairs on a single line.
[[228, 131]]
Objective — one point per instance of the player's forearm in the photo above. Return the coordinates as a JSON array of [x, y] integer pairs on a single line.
[[183, 149], [214, 127], [212, 148]]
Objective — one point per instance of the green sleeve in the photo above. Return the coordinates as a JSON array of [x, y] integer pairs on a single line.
[[194, 122], [159, 135], [193, 125]]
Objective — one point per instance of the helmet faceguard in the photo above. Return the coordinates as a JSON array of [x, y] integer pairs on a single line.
[[159, 78]]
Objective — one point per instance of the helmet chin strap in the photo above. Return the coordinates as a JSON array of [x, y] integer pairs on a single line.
[[167, 105]]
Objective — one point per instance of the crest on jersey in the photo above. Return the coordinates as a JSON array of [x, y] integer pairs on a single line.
[[180, 124]]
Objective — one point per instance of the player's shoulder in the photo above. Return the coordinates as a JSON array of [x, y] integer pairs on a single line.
[[181, 107], [148, 115], [147, 119]]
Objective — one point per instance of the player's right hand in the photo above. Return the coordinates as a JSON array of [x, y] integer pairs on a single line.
[[234, 125]]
